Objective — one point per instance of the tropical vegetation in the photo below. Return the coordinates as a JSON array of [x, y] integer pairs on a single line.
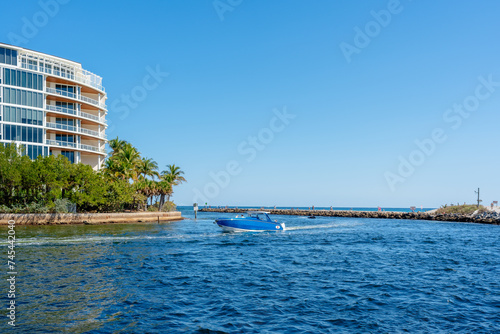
[[53, 184], [465, 209]]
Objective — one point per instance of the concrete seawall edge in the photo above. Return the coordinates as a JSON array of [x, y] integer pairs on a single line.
[[89, 218]]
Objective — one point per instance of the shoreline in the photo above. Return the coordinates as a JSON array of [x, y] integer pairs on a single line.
[[487, 218], [89, 218]]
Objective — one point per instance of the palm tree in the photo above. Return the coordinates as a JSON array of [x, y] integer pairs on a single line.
[[146, 187], [129, 159], [113, 168], [116, 145], [148, 167], [124, 160], [164, 188], [173, 175]]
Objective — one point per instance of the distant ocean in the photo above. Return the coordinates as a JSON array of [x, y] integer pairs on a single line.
[[418, 209]]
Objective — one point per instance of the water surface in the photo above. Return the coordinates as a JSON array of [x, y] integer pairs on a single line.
[[326, 275]]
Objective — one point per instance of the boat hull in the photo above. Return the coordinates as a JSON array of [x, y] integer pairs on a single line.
[[248, 225]]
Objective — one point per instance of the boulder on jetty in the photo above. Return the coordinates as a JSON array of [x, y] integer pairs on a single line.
[[483, 218]]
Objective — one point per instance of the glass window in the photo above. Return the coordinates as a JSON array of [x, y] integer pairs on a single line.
[[7, 76], [13, 77], [8, 56], [6, 93], [13, 58], [23, 79], [24, 99], [70, 155], [6, 131], [6, 113]]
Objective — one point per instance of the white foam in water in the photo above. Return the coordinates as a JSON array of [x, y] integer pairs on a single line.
[[63, 241], [309, 227]]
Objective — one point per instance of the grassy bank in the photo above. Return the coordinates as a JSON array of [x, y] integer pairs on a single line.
[[466, 209]]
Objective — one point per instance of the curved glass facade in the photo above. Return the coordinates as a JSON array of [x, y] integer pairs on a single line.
[[50, 105]]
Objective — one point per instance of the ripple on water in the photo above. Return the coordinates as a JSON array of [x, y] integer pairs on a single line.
[[332, 276]]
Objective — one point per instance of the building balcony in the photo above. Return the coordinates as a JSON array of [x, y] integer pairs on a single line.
[[85, 77], [76, 146], [77, 97], [76, 113], [75, 129]]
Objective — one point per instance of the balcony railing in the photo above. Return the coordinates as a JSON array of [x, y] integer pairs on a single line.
[[61, 126], [75, 96], [76, 113], [86, 78], [75, 129], [76, 146]]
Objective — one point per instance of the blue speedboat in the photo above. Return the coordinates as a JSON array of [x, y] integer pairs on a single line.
[[256, 221]]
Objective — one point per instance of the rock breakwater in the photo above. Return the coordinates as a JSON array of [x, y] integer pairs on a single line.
[[482, 218]]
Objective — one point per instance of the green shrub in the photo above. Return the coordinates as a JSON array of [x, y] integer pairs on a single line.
[[62, 206], [152, 208], [29, 208], [35, 208], [466, 209], [169, 206], [4, 209]]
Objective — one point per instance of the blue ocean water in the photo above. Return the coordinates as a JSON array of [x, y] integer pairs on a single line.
[[328, 275]]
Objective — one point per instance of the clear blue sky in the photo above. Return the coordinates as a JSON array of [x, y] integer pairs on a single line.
[[353, 120]]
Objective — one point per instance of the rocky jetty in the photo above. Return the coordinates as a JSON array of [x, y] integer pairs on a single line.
[[489, 217]]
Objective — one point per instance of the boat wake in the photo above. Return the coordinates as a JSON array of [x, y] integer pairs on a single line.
[[310, 227], [82, 240]]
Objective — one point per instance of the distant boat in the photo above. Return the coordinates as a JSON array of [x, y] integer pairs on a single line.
[[256, 221], [312, 217]]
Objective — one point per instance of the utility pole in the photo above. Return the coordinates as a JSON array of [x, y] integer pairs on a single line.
[[478, 200]]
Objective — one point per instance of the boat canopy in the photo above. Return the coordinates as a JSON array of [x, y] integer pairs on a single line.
[[261, 215]]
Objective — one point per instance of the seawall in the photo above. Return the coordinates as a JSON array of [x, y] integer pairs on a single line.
[[89, 218], [484, 218]]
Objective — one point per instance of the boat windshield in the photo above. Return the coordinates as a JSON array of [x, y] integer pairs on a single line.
[[259, 215]]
